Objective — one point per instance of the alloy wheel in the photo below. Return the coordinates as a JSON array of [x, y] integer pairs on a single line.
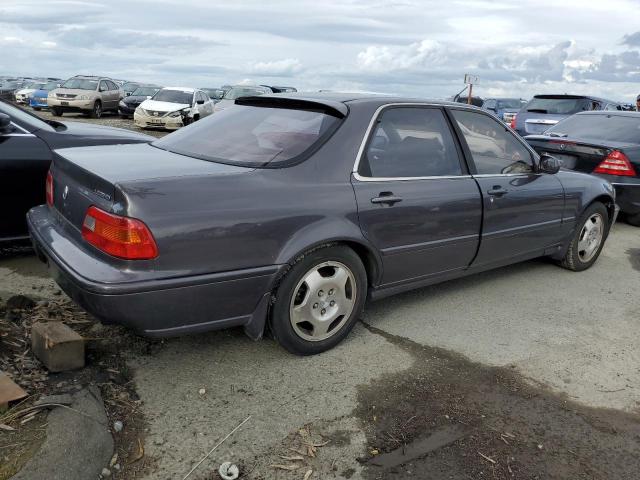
[[590, 237], [323, 301]]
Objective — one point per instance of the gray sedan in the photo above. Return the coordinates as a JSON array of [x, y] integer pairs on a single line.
[[288, 212]]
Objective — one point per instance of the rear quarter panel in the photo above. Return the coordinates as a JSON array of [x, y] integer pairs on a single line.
[[581, 190]]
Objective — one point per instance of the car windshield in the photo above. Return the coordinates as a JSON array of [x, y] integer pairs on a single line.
[[615, 128], [559, 105], [238, 92], [252, 136], [509, 103], [24, 119], [10, 85], [145, 91], [50, 86], [81, 84], [174, 96]]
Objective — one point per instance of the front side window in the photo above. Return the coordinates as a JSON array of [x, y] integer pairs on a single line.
[[252, 136], [411, 142], [494, 149]]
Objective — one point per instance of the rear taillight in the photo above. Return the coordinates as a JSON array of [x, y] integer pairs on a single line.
[[119, 236], [616, 163], [513, 122], [49, 188]]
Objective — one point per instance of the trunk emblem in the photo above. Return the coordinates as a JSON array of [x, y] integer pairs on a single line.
[[562, 146], [65, 192]]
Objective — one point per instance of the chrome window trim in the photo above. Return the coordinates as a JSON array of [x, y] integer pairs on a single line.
[[360, 178], [25, 132], [367, 133], [462, 106]]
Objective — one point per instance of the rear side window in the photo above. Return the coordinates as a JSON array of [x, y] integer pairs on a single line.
[[615, 128], [495, 150], [560, 106], [411, 142], [253, 136]]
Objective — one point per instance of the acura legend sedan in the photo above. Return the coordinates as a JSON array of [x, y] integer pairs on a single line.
[[287, 212]]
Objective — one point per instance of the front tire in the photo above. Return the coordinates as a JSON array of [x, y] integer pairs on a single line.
[[57, 111], [37, 109], [96, 111], [319, 300], [588, 239]]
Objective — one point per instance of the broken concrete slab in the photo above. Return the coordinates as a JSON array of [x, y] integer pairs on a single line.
[[57, 346], [78, 443], [9, 392]]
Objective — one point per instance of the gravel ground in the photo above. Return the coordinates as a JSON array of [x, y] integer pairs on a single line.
[[528, 371], [108, 119]]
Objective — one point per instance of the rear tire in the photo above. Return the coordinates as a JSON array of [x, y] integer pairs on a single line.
[[37, 109], [588, 239], [633, 219], [319, 300], [96, 111], [57, 111]]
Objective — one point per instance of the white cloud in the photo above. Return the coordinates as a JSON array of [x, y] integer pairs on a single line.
[[278, 68]]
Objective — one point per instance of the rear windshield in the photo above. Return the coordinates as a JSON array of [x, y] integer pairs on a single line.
[[174, 96], [560, 106], [80, 84], [615, 128], [253, 136], [509, 103], [145, 91]]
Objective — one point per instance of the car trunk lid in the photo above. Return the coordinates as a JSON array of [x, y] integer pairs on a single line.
[[87, 176], [575, 154]]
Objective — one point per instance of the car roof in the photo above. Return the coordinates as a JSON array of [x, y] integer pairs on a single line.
[[612, 113], [576, 97], [346, 97], [340, 102], [183, 89]]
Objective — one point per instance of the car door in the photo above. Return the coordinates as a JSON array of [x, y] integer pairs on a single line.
[[24, 162], [522, 208], [115, 94], [417, 204]]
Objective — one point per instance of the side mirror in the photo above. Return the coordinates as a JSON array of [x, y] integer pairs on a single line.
[[128, 94], [548, 164], [5, 121], [148, 97], [200, 102]]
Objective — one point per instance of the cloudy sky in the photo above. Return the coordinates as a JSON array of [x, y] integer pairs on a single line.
[[414, 47]]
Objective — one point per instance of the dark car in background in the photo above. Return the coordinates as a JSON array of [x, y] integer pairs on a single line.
[[128, 105], [464, 98], [8, 89], [293, 210], [606, 144], [504, 108], [27, 146], [129, 87], [544, 111]]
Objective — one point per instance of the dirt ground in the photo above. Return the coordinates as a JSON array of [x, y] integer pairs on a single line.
[[447, 417]]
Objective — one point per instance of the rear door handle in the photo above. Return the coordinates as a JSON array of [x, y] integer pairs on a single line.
[[387, 198], [498, 191]]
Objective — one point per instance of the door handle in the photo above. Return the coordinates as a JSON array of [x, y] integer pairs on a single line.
[[387, 198], [497, 191]]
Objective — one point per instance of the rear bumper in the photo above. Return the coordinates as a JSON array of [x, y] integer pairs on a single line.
[[627, 192], [161, 307]]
